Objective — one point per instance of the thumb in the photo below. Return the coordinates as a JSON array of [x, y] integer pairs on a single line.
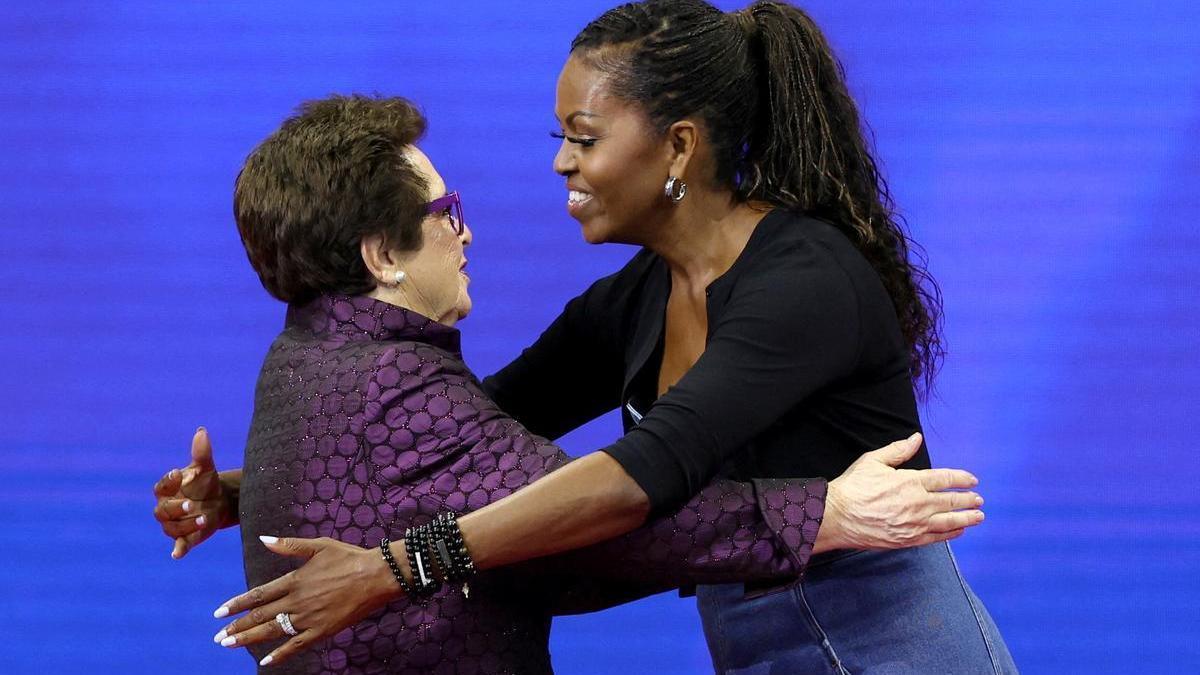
[[895, 454], [202, 451], [291, 546]]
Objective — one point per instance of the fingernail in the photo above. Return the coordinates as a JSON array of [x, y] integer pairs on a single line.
[[220, 636], [267, 539], [187, 506], [221, 612], [199, 429], [266, 660], [200, 521], [979, 501], [229, 641]]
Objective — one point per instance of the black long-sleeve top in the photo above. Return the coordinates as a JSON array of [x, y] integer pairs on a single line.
[[805, 367]]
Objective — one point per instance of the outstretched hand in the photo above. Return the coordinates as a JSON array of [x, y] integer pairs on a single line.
[[874, 505], [338, 586], [191, 504]]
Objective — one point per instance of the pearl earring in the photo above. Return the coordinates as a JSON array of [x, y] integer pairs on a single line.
[[399, 277]]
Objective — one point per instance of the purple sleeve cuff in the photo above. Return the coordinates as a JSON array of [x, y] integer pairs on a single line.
[[793, 510]]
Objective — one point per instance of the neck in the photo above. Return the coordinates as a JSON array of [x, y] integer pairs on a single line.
[[705, 234], [412, 301]]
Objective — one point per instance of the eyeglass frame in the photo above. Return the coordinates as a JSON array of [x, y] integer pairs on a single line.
[[450, 202]]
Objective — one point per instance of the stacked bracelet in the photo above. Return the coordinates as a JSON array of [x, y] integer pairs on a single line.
[[451, 549], [436, 553], [420, 560], [385, 547]]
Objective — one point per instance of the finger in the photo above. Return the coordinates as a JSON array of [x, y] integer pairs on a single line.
[[292, 647], [935, 537], [169, 484], [182, 527], [181, 548], [202, 451], [955, 520], [172, 509], [257, 626], [936, 480], [256, 597], [291, 546], [956, 501], [895, 454], [194, 539]]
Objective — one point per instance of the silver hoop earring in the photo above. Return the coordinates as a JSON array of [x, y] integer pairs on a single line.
[[399, 277], [675, 189]]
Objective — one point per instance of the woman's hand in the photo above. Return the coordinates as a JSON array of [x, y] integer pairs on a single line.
[[876, 506], [192, 501], [338, 586]]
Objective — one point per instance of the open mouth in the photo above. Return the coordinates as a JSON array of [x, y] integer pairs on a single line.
[[577, 200]]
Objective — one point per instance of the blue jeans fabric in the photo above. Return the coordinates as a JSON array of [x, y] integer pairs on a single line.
[[868, 612]]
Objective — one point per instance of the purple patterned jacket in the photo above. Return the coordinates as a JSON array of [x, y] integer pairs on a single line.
[[367, 421]]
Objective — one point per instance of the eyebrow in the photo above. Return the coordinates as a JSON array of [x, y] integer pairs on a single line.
[[578, 113]]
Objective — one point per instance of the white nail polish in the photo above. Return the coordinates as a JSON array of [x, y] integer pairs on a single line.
[[267, 539], [221, 612], [201, 521], [266, 660], [229, 641], [220, 636], [187, 506]]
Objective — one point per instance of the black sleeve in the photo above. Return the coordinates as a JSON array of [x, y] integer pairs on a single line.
[[574, 372], [791, 327]]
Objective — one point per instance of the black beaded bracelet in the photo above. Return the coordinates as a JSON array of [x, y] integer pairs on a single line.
[[416, 541], [385, 547], [452, 548]]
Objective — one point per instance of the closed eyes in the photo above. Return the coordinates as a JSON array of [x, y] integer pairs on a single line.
[[578, 140]]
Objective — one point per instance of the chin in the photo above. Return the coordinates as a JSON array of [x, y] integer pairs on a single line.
[[464, 308], [595, 234]]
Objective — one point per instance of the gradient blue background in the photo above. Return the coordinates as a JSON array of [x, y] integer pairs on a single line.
[[1045, 154]]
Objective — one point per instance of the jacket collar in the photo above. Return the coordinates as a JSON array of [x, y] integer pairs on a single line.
[[357, 318]]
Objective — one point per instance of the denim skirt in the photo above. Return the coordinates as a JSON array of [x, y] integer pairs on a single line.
[[869, 612]]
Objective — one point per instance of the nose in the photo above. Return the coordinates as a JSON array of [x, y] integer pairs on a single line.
[[466, 235], [564, 160]]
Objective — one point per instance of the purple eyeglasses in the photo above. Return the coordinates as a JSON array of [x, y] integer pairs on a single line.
[[450, 207]]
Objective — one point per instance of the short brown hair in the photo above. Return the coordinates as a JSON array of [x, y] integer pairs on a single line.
[[332, 174]]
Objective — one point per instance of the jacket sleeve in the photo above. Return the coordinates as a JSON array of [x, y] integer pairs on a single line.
[[761, 531]]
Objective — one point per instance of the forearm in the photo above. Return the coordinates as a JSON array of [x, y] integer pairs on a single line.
[[589, 500]]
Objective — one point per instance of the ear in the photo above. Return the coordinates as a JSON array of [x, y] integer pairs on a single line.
[[682, 139], [378, 258]]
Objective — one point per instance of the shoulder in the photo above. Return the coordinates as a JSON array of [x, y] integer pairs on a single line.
[[803, 257]]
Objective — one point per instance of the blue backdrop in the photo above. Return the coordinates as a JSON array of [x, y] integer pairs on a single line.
[[1045, 153]]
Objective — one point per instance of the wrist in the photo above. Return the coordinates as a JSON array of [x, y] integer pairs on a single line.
[[381, 577], [831, 535], [230, 483]]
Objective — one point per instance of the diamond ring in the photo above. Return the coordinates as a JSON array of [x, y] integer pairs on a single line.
[[285, 622]]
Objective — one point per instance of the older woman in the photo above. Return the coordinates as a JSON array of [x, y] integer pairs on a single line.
[[367, 423]]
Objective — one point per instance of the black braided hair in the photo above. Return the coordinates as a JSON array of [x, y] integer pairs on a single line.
[[782, 126]]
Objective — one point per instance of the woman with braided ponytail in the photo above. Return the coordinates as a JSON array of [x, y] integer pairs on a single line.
[[772, 325]]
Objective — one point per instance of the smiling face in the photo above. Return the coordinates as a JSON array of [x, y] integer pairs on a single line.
[[615, 163], [436, 278]]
